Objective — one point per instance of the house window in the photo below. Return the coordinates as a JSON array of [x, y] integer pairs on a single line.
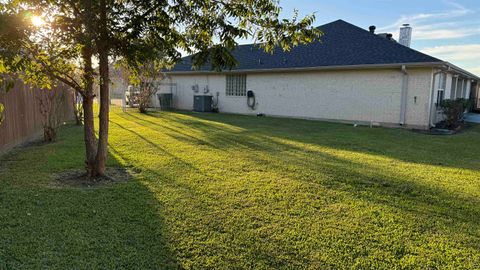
[[454, 87], [442, 81], [464, 92], [440, 97], [459, 88], [442, 84], [236, 85]]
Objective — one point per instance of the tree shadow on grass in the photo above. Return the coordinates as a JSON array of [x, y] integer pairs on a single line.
[[255, 141], [363, 181], [218, 137], [457, 151], [116, 226], [367, 182], [375, 184]]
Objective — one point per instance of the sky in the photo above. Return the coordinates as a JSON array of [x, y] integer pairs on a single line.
[[446, 29]]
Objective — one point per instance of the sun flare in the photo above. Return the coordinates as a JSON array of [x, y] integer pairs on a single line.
[[37, 21]]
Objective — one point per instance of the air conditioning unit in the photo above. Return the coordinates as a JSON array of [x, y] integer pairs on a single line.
[[202, 103]]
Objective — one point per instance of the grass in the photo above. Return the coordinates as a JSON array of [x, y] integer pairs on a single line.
[[234, 192]]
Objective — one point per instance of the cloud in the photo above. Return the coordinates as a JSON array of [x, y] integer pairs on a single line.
[[455, 53], [456, 22], [452, 23], [475, 70], [427, 33], [468, 55], [456, 11]]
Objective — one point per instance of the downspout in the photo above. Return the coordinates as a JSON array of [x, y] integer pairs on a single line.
[[403, 103]]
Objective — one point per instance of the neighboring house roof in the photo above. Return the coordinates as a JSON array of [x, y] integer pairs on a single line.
[[342, 45]]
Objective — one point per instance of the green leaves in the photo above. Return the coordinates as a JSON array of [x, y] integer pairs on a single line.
[[453, 110], [208, 29], [139, 31], [40, 55]]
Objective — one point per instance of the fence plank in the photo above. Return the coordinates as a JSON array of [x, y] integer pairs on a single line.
[[23, 121]]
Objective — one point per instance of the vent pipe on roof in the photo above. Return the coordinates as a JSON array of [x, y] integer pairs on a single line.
[[387, 36], [372, 29], [405, 35]]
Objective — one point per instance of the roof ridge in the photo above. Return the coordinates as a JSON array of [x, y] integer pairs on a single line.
[[343, 44], [386, 40]]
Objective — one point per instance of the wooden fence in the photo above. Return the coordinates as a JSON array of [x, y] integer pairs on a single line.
[[23, 121]]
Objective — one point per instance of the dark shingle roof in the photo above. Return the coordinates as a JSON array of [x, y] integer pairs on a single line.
[[343, 44]]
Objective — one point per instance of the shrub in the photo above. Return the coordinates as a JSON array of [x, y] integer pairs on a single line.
[[453, 111]]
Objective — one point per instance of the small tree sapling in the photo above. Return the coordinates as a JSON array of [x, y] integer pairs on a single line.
[[50, 101], [145, 77]]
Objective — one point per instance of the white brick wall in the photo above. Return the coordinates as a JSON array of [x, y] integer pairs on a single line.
[[355, 95]]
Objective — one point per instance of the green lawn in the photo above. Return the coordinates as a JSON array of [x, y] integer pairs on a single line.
[[234, 192]]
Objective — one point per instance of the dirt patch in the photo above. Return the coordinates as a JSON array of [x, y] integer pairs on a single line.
[[78, 178]]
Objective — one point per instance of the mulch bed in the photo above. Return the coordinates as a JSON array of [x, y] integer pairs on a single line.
[[441, 130], [78, 178]]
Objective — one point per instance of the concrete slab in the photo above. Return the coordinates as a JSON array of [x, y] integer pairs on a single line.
[[472, 118]]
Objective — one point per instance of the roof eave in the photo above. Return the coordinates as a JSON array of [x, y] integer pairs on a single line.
[[461, 71], [325, 68]]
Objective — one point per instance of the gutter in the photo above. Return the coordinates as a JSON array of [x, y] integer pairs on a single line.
[[298, 69], [450, 67]]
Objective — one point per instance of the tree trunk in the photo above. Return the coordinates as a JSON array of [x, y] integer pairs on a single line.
[[104, 114], [89, 136], [103, 50], [142, 108], [89, 128], [49, 134]]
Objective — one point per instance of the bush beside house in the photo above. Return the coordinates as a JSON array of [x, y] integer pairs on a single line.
[[454, 111]]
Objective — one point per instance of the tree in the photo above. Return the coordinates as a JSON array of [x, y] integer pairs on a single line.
[[145, 77], [49, 103], [137, 30], [55, 52]]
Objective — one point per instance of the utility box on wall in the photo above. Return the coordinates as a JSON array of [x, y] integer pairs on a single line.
[[202, 103]]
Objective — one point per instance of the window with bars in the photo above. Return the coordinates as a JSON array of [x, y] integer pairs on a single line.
[[236, 85]]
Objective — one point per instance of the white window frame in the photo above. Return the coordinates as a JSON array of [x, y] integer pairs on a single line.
[[441, 87], [236, 85], [453, 90], [464, 90], [459, 89]]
